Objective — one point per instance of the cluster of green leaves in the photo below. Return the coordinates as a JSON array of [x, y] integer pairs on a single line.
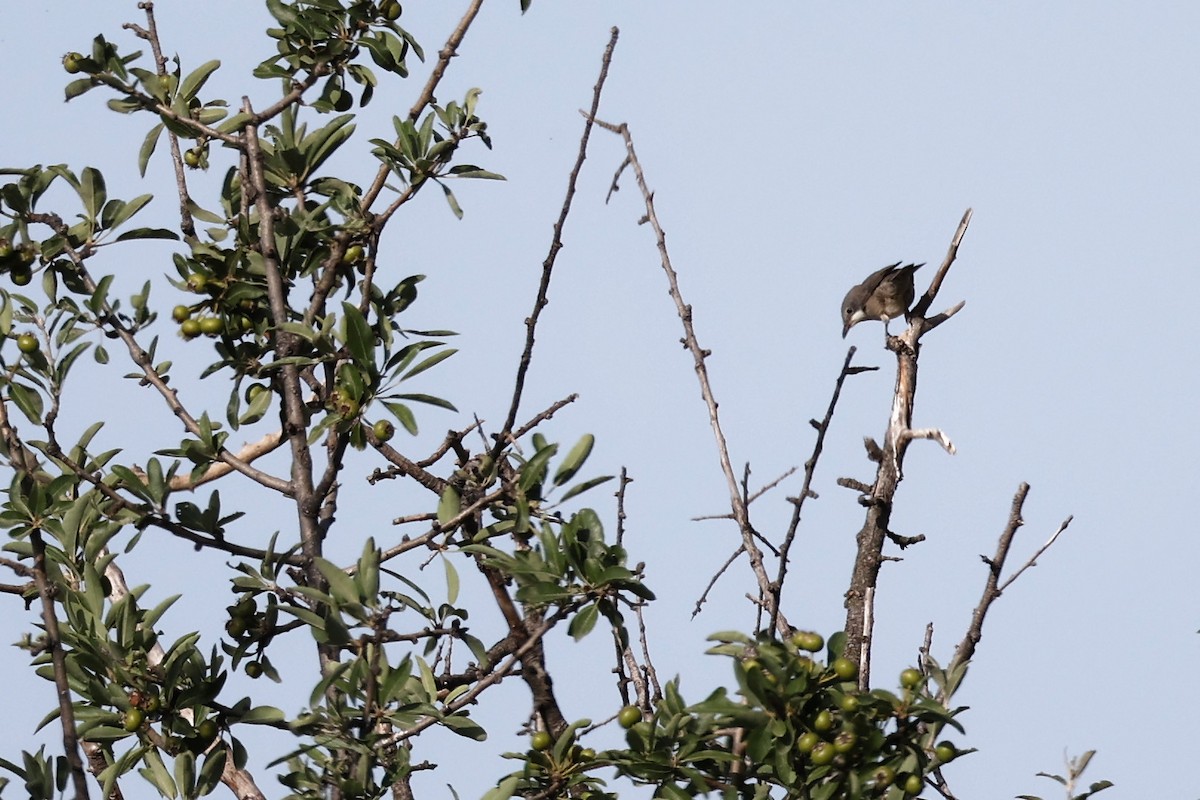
[[801, 729], [167, 708], [1075, 769]]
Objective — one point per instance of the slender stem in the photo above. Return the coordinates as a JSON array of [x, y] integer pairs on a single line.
[[63, 689]]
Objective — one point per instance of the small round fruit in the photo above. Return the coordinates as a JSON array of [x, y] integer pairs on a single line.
[[807, 741], [822, 753], [945, 752], [541, 741], [344, 102], [354, 254], [910, 678], [152, 704], [190, 328], [27, 253], [206, 731], [196, 282], [133, 719], [807, 640], [629, 716], [211, 325], [181, 313], [72, 62], [848, 703], [912, 783], [822, 722], [27, 343], [587, 754], [383, 430], [844, 668], [6, 249], [21, 275], [192, 157], [845, 741], [390, 10], [883, 777], [342, 403], [254, 669]]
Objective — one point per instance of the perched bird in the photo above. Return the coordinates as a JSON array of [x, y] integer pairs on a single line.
[[884, 295]]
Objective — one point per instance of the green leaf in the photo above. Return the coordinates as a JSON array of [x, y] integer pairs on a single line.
[[29, 401], [449, 505], [121, 213], [195, 80], [78, 87], [574, 459], [359, 338], [465, 726], [471, 171], [507, 787], [341, 585], [432, 361], [210, 773], [583, 622], [185, 773], [580, 488], [451, 200], [92, 191], [403, 415], [263, 715], [147, 149], [148, 233], [451, 582], [157, 774]]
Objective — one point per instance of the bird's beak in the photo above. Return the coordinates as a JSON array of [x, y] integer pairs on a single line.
[[846, 329]]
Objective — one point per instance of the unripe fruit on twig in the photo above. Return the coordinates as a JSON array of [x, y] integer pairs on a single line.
[[629, 716]]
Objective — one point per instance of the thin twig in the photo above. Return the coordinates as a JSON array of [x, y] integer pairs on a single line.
[[551, 257], [737, 499], [993, 587], [810, 467]]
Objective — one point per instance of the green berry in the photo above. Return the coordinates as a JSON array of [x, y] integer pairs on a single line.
[[844, 668], [807, 640], [541, 741], [910, 678], [822, 753], [629, 716], [72, 62], [945, 752], [21, 274], [390, 10], [27, 343], [181, 313], [190, 328], [133, 719], [211, 325], [383, 430]]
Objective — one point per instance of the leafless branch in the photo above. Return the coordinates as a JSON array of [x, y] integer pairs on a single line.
[[737, 499], [555, 245]]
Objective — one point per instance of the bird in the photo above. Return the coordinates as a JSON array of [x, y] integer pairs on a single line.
[[884, 295]]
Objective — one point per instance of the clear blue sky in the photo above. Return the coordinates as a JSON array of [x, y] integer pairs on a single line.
[[795, 147]]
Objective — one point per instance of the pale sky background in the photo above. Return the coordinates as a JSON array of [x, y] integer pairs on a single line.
[[794, 148]]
